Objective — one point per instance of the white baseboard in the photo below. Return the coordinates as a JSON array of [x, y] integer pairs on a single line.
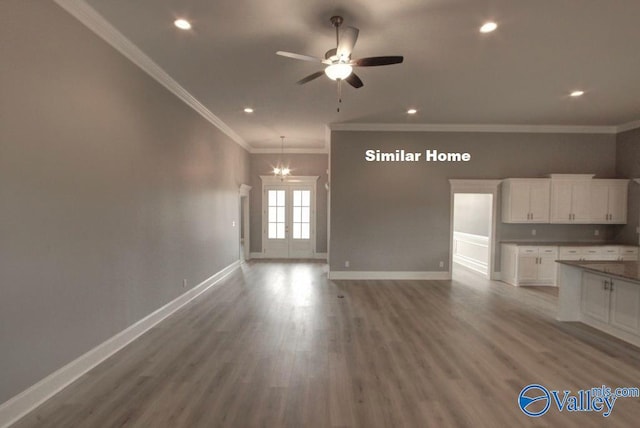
[[394, 275], [15, 408], [469, 263], [316, 256]]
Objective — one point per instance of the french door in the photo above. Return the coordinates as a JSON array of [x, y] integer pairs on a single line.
[[288, 220]]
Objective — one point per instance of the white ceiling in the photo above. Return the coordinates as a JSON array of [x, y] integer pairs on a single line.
[[519, 75]]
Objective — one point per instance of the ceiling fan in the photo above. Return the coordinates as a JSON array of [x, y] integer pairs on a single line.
[[338, 61]]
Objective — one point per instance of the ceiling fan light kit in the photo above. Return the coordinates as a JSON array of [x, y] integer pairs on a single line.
[[338, 60], [338, 71]]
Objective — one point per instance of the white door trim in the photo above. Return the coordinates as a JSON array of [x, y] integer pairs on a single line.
[[300, 180], [476, 186], [297, 179], [245, 221]]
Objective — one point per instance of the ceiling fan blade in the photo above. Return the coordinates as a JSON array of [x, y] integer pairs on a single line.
[[354, 81], [377, 60], [348, 40], [302, 57], [310, 77]]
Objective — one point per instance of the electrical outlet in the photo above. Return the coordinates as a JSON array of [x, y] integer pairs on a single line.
[[533, 232], [347, 264], [233, 224], [184, 283], [441, 264], [596, 232]]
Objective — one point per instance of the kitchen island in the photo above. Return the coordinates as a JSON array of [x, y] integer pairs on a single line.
[[602, 294]]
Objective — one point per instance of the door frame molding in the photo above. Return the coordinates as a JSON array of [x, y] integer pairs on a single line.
[[477, 186], [272, 180], [244, 229]]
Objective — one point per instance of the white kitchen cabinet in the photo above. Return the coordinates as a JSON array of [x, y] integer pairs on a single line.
[[593, 253], [547, 268], [525, 200], [570, 200], [628, 253], [611, 301], [598, 252], [564, 199], [529, 265], [571, 253], [609, 201], [625, 305], [609, 252], [595, 297]]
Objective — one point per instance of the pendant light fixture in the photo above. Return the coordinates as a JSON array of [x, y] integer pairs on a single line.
[[281, 170]]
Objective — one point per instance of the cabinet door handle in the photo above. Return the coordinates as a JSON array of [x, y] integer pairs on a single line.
[[611, 285], [606, 285]]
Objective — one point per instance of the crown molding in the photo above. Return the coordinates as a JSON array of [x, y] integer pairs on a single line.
[[96, 23], [424, 127], [293, 151], [628, 126]]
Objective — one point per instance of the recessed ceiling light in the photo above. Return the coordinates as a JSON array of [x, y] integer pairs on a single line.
[[248, 110], [182, 24], [577, 93], [412, 111], [488, 27]]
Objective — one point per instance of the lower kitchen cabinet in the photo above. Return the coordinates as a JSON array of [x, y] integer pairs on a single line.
[[596, 297], [611, 302], [529, 265], [536, 265]]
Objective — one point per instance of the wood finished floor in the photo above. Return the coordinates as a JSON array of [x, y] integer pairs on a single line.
[[274, 346]]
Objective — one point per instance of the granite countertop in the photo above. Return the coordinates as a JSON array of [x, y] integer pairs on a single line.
[[564, 243], [624, 270]]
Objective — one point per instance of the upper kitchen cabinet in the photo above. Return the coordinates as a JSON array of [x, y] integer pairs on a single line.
[[525, 200], [609, 201], [565, 199], [571, 198]]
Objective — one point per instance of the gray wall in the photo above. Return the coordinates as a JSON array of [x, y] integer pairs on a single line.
[[472, 213], [112, 192], [301, 164], [396, 216], [628, 166]]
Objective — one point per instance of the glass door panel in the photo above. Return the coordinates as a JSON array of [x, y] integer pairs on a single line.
[[289, 221]]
